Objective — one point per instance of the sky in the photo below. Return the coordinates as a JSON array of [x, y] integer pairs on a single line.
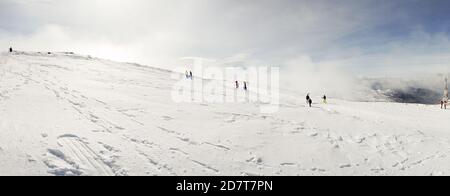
[[367, 37]]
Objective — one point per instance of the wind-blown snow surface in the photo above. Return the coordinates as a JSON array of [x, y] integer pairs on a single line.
[[64, 114]]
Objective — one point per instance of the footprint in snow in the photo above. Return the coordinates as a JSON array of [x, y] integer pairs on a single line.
[[167, 118], [313, 134]]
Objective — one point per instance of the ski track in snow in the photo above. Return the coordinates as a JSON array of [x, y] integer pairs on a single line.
[[78, 157], [124, 124]]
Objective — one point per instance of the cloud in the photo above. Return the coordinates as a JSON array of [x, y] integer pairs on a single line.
[[353, 36], [415, 53]]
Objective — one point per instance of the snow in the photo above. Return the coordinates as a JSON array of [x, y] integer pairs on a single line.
[[65, 114]]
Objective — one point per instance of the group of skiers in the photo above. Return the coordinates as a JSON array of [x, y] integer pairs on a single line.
[[189, 75], [444, 104], [309, 101], [245, 85]]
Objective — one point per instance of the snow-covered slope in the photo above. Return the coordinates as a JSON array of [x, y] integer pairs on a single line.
[[64, 114]]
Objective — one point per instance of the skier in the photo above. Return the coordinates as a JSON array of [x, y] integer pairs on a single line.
[[307, 98], [245, 86], [324, 99], [444, 101], [237, 84], [187, 74], [10, 49], [191, 75], [442, 104], [310, 101]]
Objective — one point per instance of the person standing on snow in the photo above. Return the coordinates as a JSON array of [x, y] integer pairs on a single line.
[[245, 86], [187, 74], [307, 98], [237, 84], [191, 75], [325, 99], [310, 101], [10, 49], [445, 99]]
